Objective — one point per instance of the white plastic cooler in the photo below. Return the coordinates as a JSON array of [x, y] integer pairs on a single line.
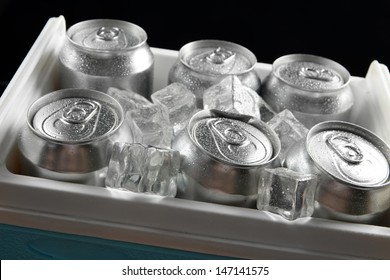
[[41, 218]]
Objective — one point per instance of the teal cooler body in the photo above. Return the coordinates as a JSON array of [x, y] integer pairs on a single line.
[[33, 244]]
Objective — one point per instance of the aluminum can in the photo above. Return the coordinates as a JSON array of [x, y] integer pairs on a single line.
[[221, 157], [353, 168], [313, 88], [69, 135], [99, 54], [204, 63]]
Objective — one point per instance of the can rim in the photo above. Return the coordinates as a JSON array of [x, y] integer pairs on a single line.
[[216, 43], [114, 23], [258, 124], [70, 93], [358, 130], [340, 69]]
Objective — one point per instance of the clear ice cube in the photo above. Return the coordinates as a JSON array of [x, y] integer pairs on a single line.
[[266, 112], [289, 130], [143, 169], [180, 103], [232, 96], [150, 125], [127, 99], [287, 193]]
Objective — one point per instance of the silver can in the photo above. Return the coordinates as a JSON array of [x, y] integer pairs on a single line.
[[204, 63], [313, 88], [353, 168], [99, 54], [69, 135], [221, 156]]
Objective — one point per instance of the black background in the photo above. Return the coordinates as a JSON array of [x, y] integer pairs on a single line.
[[353, 33]]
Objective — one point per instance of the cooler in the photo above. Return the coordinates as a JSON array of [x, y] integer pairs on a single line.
[[46, 219]]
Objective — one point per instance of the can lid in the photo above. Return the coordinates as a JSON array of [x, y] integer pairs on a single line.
[[106, 35], [217, 57], [232, 141], [311, 73], [75, 119], [348, 156]]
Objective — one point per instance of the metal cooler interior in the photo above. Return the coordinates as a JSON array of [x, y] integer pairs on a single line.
[[42, 218]]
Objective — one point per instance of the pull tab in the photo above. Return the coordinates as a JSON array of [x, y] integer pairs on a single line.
[[108, 33], [345, 148], [231, 135], [215, 61], [220, 56], [236, 144], [320, 74], [356, 160], [79, 112], [75, 121], [106, 38]]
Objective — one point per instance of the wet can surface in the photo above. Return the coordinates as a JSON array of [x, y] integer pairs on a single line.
[[204, 63], [313, 88], [99, 54], [69, 135], [353, 166], [222, 154]]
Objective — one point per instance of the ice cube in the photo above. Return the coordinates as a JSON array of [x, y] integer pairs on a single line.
[[143, 169], [150, 125], [266, 112], [129, 100], [289, 130], [180, 103], [287, 193], [232, 96]]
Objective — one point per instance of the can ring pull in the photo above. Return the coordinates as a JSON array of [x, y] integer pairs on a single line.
[[345, 148], [230, 135], [79, 112], [320, 74], [108, 33], [220, 56]]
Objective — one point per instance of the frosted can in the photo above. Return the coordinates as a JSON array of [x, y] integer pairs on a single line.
[[313, 88], [204, 63], [221, 156], [69, 135], [353, 168], [99, 54]]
